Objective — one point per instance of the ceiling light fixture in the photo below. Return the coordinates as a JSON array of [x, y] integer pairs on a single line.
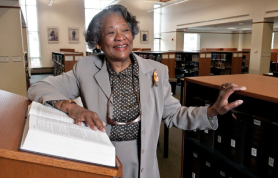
[[50, 3], [231, 28], [168, 4]]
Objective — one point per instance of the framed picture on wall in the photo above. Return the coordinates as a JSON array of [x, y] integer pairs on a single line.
[[73, 35], [144, 36], [53, 34]]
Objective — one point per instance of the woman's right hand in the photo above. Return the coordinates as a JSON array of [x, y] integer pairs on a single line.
[[81, 114]]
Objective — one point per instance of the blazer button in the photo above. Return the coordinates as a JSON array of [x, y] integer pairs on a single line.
[[142, 169], [143, 132], [143, 151]]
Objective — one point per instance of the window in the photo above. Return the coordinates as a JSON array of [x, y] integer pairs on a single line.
[[92, 7], [29, 10], [157, 27], [191, 42]]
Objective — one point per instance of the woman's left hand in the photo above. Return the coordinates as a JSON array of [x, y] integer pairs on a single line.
[[221, 106]]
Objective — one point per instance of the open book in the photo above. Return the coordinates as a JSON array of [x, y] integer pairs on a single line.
[[51, 132]]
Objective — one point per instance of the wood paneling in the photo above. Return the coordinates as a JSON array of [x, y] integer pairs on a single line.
[[15, 163], [204, 64], [236, 67], [67, 50], [171, 63]]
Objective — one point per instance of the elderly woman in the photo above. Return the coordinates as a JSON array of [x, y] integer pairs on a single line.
[[122, 96]]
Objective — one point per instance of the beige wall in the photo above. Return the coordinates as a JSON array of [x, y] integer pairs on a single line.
[[12, 74], [247, 41], [71, 13], [139, 9], [63, 14], [208, 40]]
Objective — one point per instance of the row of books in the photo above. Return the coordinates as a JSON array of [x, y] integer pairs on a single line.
[[58, 58], [246, 139], [187, 57], [221, 57], [151, 56], [221, 65], [58, 69]]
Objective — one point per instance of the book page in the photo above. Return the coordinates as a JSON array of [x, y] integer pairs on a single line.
[[49, 112], [69, 130]]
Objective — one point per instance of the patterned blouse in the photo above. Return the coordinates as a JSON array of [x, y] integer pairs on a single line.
[[124, 100], [125, 103]]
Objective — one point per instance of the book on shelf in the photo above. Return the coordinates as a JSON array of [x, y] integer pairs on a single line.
[[51, 132], [195, 57]]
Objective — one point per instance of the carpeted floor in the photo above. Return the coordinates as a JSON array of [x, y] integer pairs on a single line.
[[35, 78], [168, 167]]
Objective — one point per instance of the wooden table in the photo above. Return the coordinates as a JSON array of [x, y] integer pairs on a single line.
[[260, 98], [15, 163]]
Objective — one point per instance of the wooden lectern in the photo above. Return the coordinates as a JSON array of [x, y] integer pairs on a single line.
[[15, 163]]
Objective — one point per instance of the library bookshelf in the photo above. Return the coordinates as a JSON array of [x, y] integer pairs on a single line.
[[64, 61], [245, 142]]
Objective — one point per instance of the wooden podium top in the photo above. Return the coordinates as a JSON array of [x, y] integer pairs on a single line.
[[12, 114], [258, 86]]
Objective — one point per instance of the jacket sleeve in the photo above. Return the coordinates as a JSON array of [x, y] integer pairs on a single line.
[[185, 118], [60, 87]]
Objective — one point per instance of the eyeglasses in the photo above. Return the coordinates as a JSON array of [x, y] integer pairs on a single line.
[[112, 122]]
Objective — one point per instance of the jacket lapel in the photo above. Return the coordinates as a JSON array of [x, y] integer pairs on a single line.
[[145, 79], [102, 77]]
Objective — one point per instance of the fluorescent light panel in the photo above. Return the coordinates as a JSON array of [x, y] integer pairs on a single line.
[[168, 4]]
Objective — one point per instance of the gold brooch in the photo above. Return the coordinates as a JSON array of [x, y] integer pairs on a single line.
[[155, 78]]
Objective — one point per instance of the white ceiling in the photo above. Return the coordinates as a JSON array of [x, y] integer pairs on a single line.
[[232, 27]]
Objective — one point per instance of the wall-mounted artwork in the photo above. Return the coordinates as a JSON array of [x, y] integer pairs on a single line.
[[144, 36], [73, 35], [52, 34]]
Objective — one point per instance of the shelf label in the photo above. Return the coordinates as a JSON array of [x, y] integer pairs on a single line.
[[164, 56], [68, 58], [271, 162], [193, 175], [208, 55], [171, 56], [207, 164], [257, 122], [234, 54], [202, 55], [206, 131], [17, 58], [233, 143], [219, 138], [239, 54], [4, 58], [222, 173], [195, 155], [254, 152]]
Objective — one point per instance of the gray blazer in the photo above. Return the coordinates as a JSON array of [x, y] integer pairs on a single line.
[[89, 79]]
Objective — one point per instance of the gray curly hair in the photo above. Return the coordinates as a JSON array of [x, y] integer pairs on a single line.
[[92, 34]]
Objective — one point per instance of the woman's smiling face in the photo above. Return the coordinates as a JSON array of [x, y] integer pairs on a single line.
[[116, 39]]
